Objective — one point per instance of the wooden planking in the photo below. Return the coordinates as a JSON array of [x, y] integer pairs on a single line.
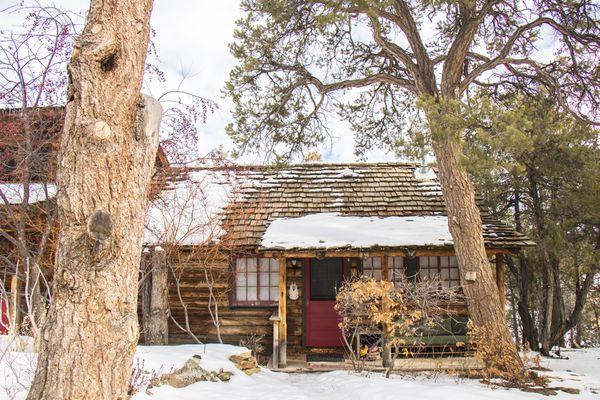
[[282, 306], [236, 323]]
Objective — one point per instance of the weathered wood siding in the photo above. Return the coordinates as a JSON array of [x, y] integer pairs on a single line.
[[237, 323], [295, 307]]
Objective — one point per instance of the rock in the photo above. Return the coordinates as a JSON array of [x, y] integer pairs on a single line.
[[224, 376], [191, 372], [245, 362]]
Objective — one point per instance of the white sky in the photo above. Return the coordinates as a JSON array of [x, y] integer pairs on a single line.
[[193, 36]]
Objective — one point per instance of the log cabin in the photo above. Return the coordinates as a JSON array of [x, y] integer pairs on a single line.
[[254, 254], [265, 250]]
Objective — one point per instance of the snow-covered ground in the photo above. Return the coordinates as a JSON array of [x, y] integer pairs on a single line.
[[581, 371]]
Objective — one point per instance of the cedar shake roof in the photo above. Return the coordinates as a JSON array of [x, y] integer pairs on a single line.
[[355, 189]]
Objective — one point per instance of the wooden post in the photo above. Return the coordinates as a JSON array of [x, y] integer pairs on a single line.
[[145, 291], [282, 313], [500, 281], [14, 306], [385, 275], [158, 326], [276, 320]]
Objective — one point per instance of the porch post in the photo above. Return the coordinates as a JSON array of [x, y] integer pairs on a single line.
[[500, 281], [14, 306], [282, 313]]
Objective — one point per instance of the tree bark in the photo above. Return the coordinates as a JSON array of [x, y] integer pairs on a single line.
[[106, 157], [158, 328], [464, 220], [548, 276]]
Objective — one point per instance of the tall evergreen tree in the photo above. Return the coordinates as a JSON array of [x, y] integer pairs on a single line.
[[538, 167]]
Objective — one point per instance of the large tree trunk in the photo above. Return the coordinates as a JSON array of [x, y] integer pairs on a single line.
[[464, 220], [106, 159]]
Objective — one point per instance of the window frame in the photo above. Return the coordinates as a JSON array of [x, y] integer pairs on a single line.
[[450, 281], [233, 299]]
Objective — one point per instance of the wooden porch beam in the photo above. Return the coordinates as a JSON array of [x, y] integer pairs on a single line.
[[385, 275], [282, 313], [500, 281]]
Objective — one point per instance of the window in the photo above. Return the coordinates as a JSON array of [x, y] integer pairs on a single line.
[[256, 281], [428, 267], [449, 271], [372, 267], [396, 269], [444, 268]]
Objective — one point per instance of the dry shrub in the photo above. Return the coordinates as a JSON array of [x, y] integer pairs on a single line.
[[141, 379], [395, 311], [254, 344], [499, 366]]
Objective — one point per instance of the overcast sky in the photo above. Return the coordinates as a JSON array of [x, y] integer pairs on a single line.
[[193, 36]]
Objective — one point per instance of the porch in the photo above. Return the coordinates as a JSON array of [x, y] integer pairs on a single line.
[[304, 323]]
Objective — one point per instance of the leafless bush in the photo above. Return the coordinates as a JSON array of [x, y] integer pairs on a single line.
[[141, 379], [184, 221], [254, 344], [18, 367], [400, 313]]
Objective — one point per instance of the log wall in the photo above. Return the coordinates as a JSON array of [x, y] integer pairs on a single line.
[[237, 323]]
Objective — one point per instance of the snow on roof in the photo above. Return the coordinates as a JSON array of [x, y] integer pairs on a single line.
[[14, 192], [188, 212], [333, 230]]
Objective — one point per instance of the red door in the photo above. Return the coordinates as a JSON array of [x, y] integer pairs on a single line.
[[323, 278]]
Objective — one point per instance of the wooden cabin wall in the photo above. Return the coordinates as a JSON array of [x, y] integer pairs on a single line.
[[237, 323], [295, 308]]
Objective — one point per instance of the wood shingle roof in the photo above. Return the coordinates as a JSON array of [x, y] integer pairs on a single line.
[[352, 189]]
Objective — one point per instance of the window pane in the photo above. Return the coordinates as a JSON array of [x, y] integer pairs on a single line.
[[367, 262], [264, 279], [240, 293], [454, 273], [274, 294], [252, 279], [251, 265], [424, 262], [274, 279], [274, 264], [240, 265], [376, 262], [264, 264], [377, 274], [453, 261], [251, 293], [264, 293], [433, 262], [240, 279], [443, 262], [445, 274]]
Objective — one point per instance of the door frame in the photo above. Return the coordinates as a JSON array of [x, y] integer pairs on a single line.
[[306, 287]]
